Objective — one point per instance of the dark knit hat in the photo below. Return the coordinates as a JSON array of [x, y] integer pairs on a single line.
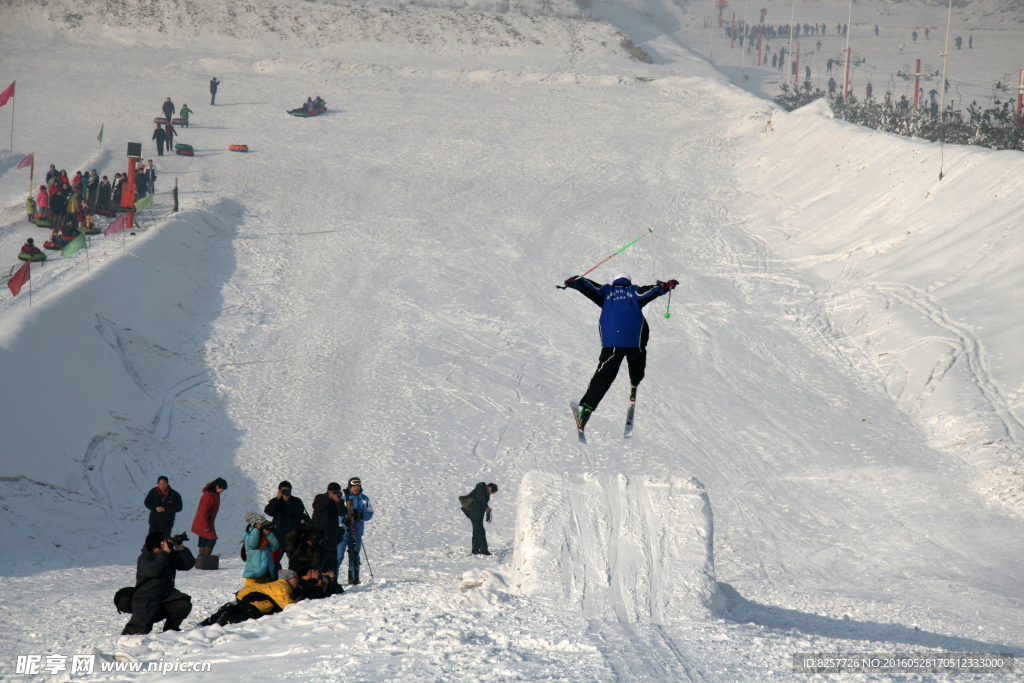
[[493, 488], [334, 486]]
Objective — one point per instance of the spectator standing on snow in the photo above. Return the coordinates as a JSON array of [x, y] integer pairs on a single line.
[[115, 191], [288, 512], [160, 137], [103, 197], [476, 506], [913, 36], [150, 172], [959, 42], [168, 109], [260, 544], [868, 90], [163, 504], [327, 509], [43, 201], [184, 113], [52, 173], [876, 30], [352, 539], [828, 66], [206, 514], [970, 42], [156, 598], [169, 134], [213, 90], [141, 184], [807, 73]]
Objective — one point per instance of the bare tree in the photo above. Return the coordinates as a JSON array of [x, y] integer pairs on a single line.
[[546, 6], [583, 6]]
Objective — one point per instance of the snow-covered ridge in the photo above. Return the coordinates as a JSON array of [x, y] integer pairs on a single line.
[[325, 24], [917, 281]]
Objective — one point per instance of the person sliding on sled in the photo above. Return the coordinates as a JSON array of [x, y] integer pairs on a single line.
[[624, 334]]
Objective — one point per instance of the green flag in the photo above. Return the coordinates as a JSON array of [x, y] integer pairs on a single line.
[[100, 136], [144, 203], [74, 245]]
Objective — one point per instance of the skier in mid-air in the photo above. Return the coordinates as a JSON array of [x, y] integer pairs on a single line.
[[624, 334]]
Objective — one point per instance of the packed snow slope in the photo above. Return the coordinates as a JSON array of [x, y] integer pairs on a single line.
[[371, 293]]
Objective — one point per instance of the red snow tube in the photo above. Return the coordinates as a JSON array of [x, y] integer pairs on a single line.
[[239, 148], [185, 152], [109, 213], [162, 122], [177, 122]]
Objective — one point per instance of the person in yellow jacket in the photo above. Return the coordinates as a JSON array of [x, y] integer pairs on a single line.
[[278, 594]]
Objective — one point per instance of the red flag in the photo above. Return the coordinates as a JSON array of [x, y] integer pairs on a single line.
[[15, 283], [117, 225], [27, 161], [7, 94]]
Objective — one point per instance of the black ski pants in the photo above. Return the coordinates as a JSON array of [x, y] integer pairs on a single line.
[[608, 366], [479, 534], [174, 611]]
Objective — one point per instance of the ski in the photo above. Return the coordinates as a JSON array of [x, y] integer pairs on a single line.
[[575, 408], [629, 420]]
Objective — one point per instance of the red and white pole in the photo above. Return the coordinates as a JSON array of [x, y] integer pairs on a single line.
[[128, 194], [1020, 96], [917, 80], [846, 86]]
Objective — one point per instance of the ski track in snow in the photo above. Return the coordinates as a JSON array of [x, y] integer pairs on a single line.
[[371, 293]]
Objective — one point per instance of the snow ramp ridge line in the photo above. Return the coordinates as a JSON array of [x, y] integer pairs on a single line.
[[632, 548]]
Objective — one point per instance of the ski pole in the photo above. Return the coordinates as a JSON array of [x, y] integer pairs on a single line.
[[649, 230], [669, 304], [368, 567]]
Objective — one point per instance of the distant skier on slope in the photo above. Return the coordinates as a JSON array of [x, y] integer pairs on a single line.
[[624, 334]]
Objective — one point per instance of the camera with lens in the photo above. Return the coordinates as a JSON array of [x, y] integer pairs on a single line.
[[178, 538]]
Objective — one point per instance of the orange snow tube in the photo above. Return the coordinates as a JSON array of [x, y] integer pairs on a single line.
[[239, 148]]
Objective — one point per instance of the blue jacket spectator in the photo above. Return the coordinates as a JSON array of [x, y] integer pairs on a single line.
[[259, 554]]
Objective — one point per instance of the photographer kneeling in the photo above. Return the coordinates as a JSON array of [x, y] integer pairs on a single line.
[[156, 598]]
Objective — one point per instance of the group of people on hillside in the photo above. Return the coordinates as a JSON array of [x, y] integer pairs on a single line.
[[314, 546], [165, 131], [67, 204], [311, 106]]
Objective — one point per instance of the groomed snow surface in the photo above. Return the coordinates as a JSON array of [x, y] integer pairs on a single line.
[[828, 440]]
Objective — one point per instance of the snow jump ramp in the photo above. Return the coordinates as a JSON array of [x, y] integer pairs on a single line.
[[626, 549]]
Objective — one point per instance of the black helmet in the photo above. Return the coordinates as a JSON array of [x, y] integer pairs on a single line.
[[31, 241]]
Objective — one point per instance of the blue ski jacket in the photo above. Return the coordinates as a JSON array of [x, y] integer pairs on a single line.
[[361, 504], [622, 322], [259, 562]]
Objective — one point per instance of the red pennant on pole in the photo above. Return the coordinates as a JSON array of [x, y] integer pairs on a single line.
[[7, 94], [27, 161], [117, 225], [19, 278]]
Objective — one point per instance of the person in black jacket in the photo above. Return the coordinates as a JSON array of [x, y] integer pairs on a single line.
[[163, 503], [288, 512], [160, 136], [168, 109], [213, 90], [156, 598], [327, 508], [105, 194], [481, 495]]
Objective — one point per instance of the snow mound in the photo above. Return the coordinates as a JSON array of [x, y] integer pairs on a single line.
[[917, 280], [632, 548]]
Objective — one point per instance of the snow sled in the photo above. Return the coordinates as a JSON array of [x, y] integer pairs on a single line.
[[185, 152], [59, 242], [162, 121], [239, 148], [90, 228], [42, 222], [302, 113], [109, 213], [177, 122], [182, 145], [32, 257]]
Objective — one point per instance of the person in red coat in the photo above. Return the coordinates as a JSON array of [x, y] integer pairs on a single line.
[[202, 525], [30, 247]]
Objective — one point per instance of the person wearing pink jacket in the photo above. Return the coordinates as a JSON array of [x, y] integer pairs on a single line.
[[42, 201]]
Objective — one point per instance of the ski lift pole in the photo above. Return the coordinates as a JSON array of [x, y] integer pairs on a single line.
[[649, 230]]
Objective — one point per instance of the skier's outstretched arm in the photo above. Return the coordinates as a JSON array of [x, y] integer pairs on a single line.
[[588, 288], [648, 293]]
